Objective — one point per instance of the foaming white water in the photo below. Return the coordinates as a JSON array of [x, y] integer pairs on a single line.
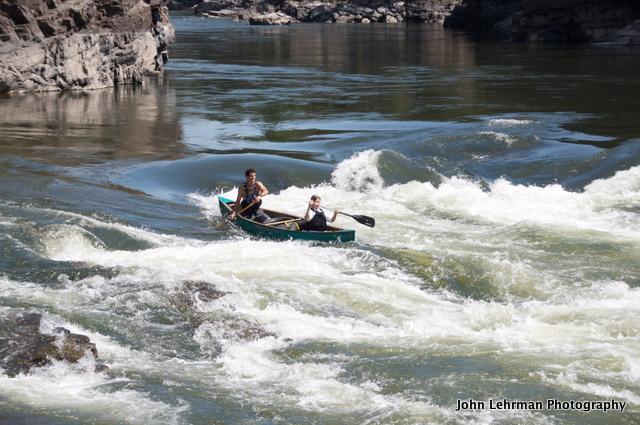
[[346, 295], [570, 379], [551, 206], [509, 121], [142, 234], [416, 214], [501, 137], [6, 221], [306, 293], [209, 203], [358, 173], [69, 239], [311, 386], [74, 243], [622, 189], [591, 321], [62, 387], [293, 303], [357, 187]]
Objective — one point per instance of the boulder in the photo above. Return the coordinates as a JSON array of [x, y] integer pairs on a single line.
[[243, 330], [274, 18], [320, 13], [204, 291], [25, 347]]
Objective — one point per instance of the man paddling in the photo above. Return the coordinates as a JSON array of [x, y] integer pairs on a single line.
[[250, 195]]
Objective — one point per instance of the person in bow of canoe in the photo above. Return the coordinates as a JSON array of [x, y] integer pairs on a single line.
[[315, 217], [251, 192]]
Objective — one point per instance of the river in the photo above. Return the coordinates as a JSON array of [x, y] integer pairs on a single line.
[[504, 179]]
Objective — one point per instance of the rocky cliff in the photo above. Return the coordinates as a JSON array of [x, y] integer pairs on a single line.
[[612, 21], [49, 45]]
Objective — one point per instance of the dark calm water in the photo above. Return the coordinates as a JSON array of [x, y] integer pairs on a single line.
[[504, 178]]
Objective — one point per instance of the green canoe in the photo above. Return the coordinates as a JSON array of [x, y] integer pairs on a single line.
[[287, 230]]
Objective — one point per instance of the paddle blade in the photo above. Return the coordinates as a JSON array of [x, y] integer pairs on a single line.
[[366, 220]]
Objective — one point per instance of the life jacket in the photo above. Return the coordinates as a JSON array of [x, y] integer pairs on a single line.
[[318, 222], [250, 195]]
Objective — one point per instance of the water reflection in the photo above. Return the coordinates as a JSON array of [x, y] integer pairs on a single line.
[[414, 72], [358, 49], [88, 127]]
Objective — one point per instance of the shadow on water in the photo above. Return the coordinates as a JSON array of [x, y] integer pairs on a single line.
[[172, 179]]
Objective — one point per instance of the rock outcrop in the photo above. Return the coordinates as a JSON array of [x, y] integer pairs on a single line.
[[282, 12], [429, 10], [578, 20], [50, 45], [25, 347], [274, 18], [615, 21], [483, 14], [610, 21]]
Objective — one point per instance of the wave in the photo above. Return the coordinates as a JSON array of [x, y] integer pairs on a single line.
[[610, 205]]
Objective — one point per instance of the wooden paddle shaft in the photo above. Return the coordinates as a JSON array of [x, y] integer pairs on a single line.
[[283, 222], [249, 206], [339, 212]]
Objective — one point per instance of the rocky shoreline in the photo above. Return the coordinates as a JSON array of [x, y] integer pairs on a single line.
[[270, 12], [610, 21], [53, 45]]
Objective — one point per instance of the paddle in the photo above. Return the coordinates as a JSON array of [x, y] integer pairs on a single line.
[[362, 219], [248, 206], [283, 222]]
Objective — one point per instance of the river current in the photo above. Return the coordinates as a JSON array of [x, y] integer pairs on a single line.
[[504, 179]]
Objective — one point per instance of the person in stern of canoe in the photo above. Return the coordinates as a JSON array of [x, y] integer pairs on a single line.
[[252, 191], [315, 218]]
